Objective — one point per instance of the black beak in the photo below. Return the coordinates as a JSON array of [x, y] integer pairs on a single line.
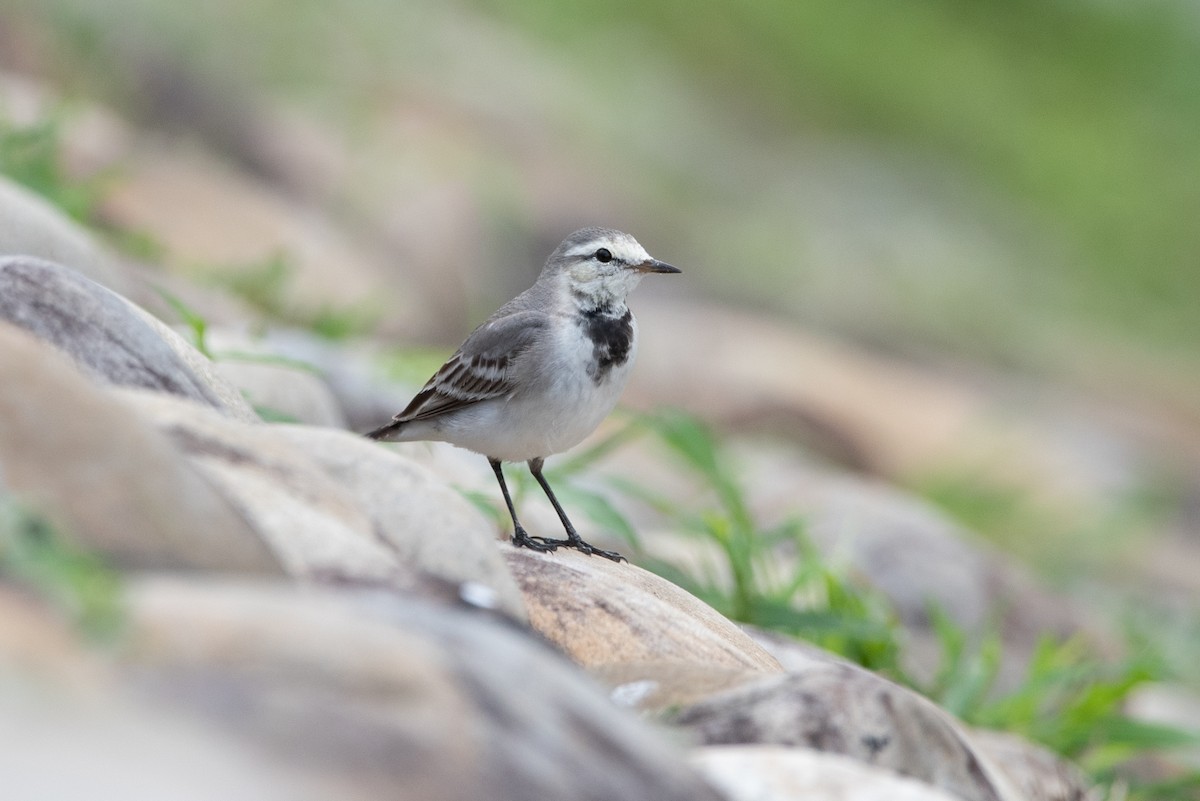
[[656, 266]]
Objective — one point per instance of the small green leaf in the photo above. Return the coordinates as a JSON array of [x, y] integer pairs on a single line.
[[197, 324]]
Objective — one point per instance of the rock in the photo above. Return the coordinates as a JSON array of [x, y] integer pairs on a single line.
[[831, 390], [655, 686], [773, 773], [795, 655], [391, 696], [1039, 774], [603, 613], [426, 523], [234, 404], [285, 390], [312, 524], [846, 710], [30, 226], [116, 485], [103, 333], [350, 369]]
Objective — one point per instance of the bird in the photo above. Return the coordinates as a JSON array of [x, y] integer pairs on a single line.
[[542, 372]]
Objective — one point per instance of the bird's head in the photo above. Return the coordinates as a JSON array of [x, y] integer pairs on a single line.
[[603, 265]]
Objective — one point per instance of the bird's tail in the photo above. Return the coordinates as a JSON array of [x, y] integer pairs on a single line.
[[386, 432]]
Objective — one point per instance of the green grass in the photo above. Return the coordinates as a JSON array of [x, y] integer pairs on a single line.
[[195, 323], [34, 555], [32, 156]]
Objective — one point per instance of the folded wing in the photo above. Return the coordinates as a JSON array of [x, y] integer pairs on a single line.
[[481, 369]]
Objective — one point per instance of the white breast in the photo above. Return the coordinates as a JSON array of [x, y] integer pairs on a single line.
[[559, 407]]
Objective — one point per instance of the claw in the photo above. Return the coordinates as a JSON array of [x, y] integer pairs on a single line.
[[521, 539], [578, 544]]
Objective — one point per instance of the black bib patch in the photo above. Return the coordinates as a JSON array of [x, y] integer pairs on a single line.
[[612, 338]]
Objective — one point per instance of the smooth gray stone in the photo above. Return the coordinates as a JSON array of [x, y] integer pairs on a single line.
[[97, 328]]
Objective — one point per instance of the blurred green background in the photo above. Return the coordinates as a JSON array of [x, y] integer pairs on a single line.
[[1016, 180]]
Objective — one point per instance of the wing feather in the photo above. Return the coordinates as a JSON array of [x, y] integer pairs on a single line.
[[481, 369]]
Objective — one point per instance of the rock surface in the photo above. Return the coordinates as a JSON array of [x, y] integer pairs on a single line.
[[334, 506], [846, 710], [285, 391], [774, 773], [119, 486], [312, 525], [1038, 774], [100, 331], [603, 613], [427, 524]]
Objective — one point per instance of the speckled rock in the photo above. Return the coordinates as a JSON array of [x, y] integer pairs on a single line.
[[1037, 773], [846, 710], [604, 613]]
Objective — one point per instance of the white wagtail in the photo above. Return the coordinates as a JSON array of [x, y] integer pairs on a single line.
[[542, 372]]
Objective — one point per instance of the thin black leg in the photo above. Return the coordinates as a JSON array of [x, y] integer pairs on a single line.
[[573, 539], [520, 537]]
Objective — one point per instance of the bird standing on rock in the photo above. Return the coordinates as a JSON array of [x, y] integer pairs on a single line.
[[541, 373]]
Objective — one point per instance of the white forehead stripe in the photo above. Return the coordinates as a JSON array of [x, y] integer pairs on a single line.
[[625, 248]]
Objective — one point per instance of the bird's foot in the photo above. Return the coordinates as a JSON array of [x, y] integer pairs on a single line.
[[522, 539], [578, 544]]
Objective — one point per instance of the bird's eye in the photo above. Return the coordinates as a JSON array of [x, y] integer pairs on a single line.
[[603, 255]]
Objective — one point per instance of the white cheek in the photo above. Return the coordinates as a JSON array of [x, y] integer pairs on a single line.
[[583, 272]]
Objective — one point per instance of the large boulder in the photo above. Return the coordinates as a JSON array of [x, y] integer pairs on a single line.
[[115, 484], [105, 334], [334, 506]]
